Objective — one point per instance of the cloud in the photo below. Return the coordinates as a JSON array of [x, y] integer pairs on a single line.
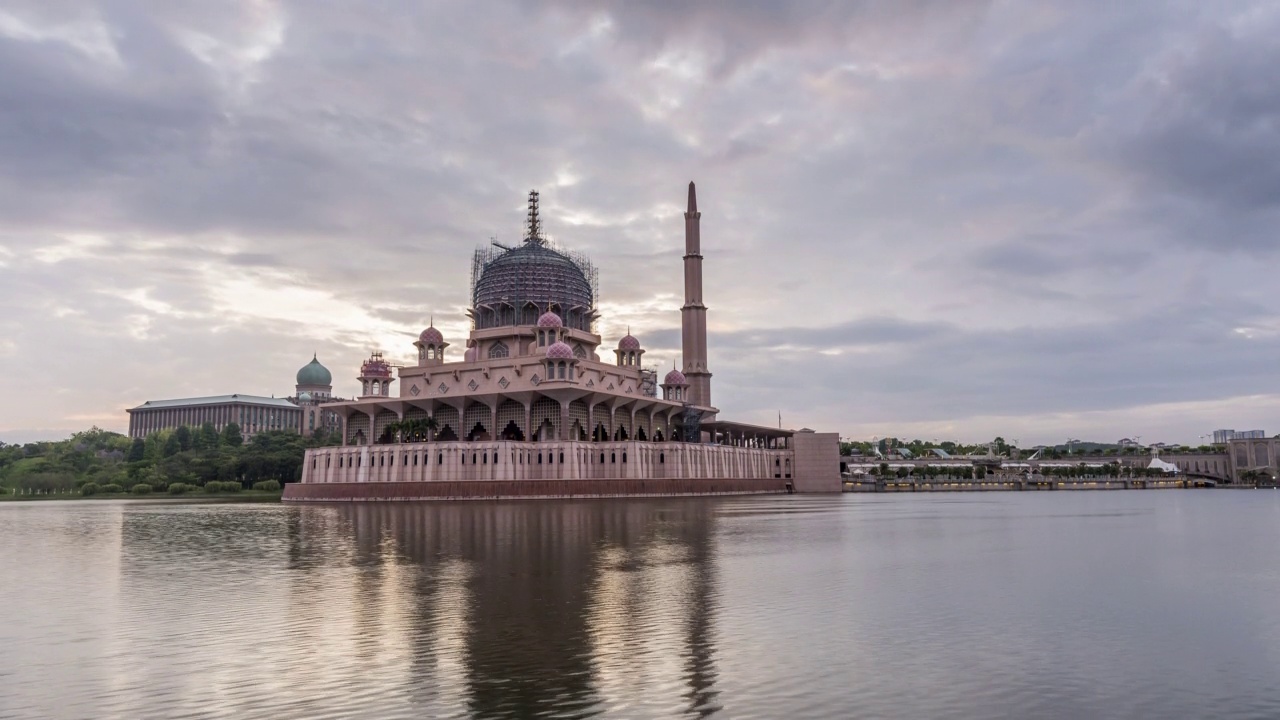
[[915, 214]]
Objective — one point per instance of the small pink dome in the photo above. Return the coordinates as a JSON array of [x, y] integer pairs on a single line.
[[375, 367], [470, 355], [675, 377], [560, 351], [628, 343], [431, 336], [550, 320]]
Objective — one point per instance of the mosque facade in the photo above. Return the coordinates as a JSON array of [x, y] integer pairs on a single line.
[[539, 406]]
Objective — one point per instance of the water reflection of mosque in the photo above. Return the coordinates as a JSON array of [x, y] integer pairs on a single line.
[[526, 609]]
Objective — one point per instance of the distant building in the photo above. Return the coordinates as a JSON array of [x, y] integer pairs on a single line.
[[253, 414], [1127, 442], [1222, 437], [1258, 454]]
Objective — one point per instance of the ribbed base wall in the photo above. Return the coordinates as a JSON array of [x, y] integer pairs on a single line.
[[501, 489]]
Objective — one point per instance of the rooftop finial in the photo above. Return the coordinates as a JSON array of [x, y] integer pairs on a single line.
[[534, 231], [693, 198]]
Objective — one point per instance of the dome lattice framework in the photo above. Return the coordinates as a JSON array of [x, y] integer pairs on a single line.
[[515, 285]]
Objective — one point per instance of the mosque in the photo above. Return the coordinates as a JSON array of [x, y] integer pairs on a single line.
[[538, 408]]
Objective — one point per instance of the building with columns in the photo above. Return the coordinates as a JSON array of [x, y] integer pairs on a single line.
[[533, 409], [302, 412]]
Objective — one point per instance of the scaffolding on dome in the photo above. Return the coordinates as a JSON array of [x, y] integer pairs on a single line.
[[536, 273]]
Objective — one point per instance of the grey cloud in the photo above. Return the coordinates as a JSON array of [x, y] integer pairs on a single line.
[[971, 208]]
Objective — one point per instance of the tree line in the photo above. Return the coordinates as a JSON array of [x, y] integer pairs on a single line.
[[191, 457]]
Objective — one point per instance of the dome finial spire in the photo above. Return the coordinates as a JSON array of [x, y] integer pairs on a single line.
[[534, 229], [693, 198]]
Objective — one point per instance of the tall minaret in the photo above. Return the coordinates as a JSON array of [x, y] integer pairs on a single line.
[[693, 316]]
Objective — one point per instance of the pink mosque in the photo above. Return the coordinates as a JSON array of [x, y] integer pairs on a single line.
[[534, 410]]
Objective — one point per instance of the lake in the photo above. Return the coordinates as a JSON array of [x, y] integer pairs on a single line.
[[1121, 604]]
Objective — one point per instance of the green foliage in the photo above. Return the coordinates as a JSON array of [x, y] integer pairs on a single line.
[[231, 435], [183, 434], [157, 461], [207, 437], [180, 488], [89, 489], [112, 489], [213, 487], [267, 485], [172, 445], [141, 489]]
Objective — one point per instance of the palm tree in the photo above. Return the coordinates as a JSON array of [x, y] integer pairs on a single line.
[[419, 429]]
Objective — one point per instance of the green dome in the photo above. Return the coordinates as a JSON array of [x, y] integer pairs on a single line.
[[315, 374]]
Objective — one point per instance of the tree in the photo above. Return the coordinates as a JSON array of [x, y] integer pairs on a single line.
[[172, 445], [206, 438], [231, 435], [137, 450], [183, 433]]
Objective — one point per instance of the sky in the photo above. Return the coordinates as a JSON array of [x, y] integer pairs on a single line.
[[953, 219]]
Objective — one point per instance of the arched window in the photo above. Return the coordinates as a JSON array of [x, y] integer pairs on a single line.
[[570, 372], [542, 338], [551, 370], [560, 370], [499, 350], [422, 353]]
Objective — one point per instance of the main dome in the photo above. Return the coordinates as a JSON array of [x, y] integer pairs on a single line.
[[313, 373], [516, 285]]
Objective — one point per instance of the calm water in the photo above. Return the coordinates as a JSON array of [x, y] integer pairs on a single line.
[[1155, 604]]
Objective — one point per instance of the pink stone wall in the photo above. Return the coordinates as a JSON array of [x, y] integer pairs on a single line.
[[817, 462], [499, 489]]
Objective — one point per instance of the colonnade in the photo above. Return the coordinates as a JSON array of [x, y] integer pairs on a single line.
[[555, 460]]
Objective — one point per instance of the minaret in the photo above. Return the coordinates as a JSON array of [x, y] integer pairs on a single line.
[[693, 316]]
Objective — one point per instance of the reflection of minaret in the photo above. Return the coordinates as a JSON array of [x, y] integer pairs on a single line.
[[693, 316], [700, 669]]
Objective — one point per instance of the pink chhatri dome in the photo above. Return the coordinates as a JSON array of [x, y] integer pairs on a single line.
[[550, 320], [470, 355], [559, 351], [628, 343], [675, 377], [431, 336], [375, 366]]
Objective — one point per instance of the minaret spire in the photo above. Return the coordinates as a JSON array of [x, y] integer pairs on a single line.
[[693, 315]]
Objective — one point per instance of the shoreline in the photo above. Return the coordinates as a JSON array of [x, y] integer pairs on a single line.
[[245, 495]]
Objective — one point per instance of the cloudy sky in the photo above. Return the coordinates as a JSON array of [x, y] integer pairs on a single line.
[[930, 219]]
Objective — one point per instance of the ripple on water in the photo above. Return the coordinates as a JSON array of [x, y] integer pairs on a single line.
[[1127, 605]]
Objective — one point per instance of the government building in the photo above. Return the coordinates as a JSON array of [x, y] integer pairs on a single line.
[[301, 412], [537, 406]]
